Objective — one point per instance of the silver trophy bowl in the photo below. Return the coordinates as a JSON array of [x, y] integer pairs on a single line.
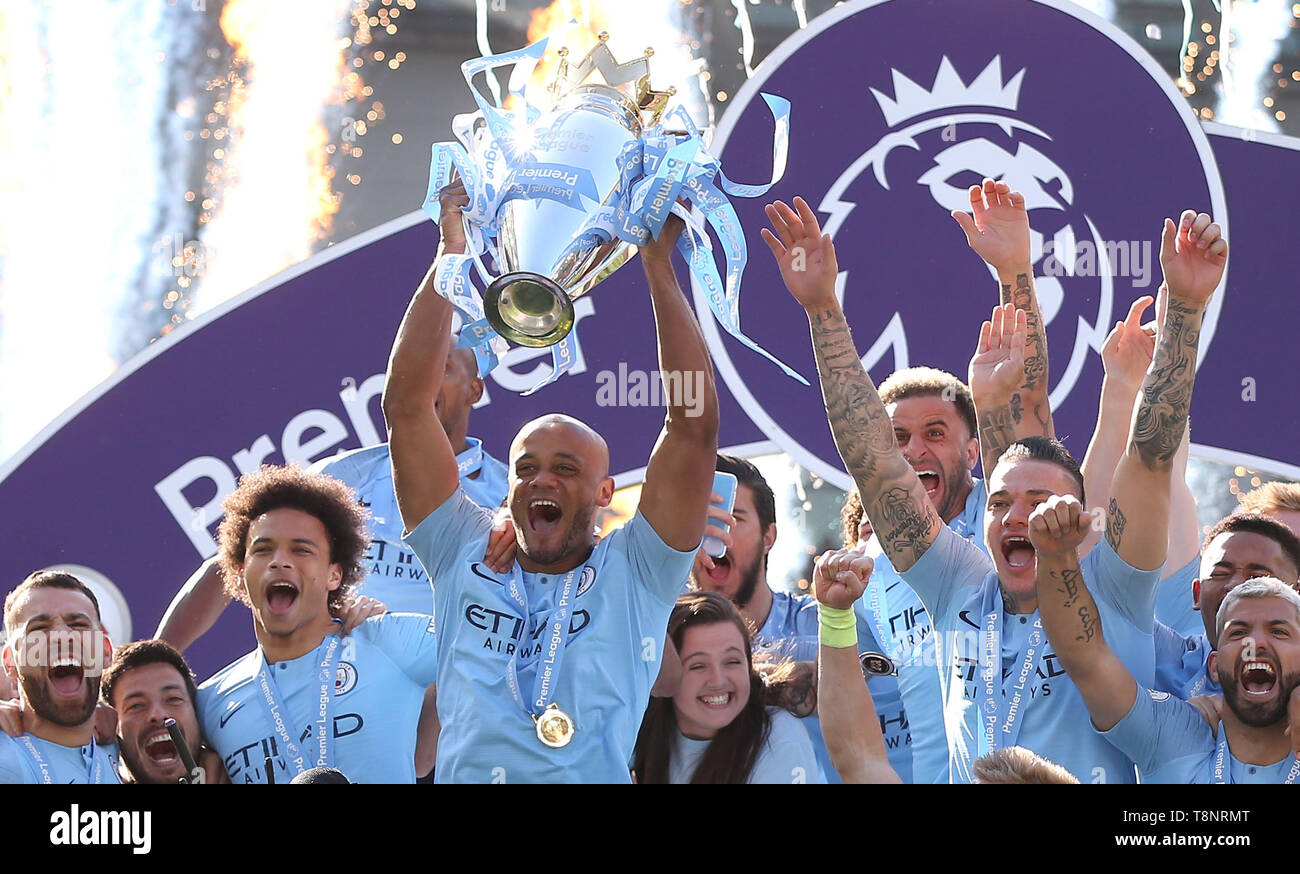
[[531, 303]]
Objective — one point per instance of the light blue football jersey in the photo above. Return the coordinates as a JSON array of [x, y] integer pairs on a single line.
[[393, 576], [383, 669], [786, 757], [911, 712], [1171, 743], [1183, 664], [623, 597], [1174, 600], [954, 580], [87, 764], [791, 631]]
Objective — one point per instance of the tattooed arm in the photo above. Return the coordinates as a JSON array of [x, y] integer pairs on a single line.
[[997, 229], [1192, 255], [896, 504], [1069, 613], [794, 687]]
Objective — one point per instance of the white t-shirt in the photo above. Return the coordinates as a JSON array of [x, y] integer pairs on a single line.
[[786, 757]]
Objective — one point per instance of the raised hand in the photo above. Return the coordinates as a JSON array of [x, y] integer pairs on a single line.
[[840, 577], [998, 366], [1193, 254], [661, 247], [718, 517], [1127, 352], [500, 553], [805, 255], [997, 227], [1058, 525], [355, 609], [451, 227]]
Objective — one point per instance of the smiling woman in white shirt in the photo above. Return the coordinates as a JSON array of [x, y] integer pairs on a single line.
[[719, 727]]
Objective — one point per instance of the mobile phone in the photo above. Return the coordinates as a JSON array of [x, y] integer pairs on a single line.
[[724, 484]]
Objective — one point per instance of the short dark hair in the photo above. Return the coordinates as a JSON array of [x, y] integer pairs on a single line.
[[46, 580], [924, 382], [316, 494], [137, 655], [748, 475], [1257, 523], [1047, 449]]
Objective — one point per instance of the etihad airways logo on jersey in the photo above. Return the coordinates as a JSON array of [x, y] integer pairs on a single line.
[[248, 763], [505, 631]]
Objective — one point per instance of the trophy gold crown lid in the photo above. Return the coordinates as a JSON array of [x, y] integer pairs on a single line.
[[632, 78]]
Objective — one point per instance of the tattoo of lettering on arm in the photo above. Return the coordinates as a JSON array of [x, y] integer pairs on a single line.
[[1035, 343], [1167, 389], [1070, 584], [1017, 408], [1115, 522]]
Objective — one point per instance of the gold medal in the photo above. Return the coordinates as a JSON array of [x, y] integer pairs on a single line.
[[554, 727]]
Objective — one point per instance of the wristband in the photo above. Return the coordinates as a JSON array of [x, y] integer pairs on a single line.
[[839, 627]]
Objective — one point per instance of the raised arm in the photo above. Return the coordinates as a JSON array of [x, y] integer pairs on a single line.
[[895, 501], [1192, 255], [424, 465], [1125, 357], [679, 477], [1070, 618], [849, 723], [997, 229], [196, 608], [996, 372]]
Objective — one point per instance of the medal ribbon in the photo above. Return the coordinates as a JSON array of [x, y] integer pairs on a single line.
[[1221, 773], [278, 713], [546, 663], [997, 729], [94, 768]]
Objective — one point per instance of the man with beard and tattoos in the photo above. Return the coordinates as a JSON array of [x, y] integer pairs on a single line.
[[934, 421], [1257, 662], [1002, 686], [55, 655]]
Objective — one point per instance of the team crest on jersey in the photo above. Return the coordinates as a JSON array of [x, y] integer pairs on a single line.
[[346, 678], [588, 577], [914, 124]]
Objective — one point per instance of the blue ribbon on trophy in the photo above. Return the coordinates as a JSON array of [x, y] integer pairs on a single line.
[[559, 200]]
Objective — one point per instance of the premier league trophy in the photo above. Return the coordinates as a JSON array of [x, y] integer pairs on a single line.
[[560, 199]]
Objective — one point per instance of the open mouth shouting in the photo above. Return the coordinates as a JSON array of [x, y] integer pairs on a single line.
[[1258, 679], [718, 573], [281, 595], [159, 749], [68, 677], [1018, 552], [930, 481], [544, 516]]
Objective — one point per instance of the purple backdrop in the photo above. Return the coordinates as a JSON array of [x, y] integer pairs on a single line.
[[127, 482]]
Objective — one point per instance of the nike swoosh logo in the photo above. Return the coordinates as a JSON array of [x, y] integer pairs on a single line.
[[965, 617], [225, 717]]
